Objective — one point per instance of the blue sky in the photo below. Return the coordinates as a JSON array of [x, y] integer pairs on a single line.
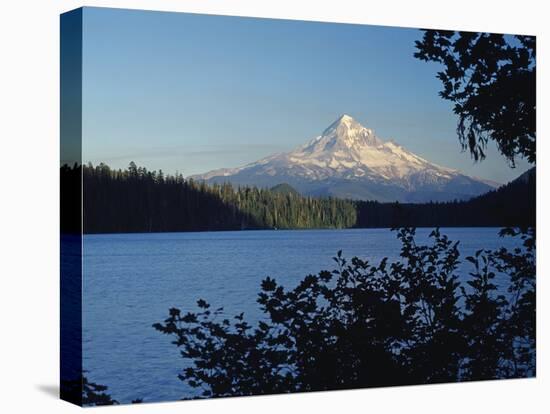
[[190, 93]]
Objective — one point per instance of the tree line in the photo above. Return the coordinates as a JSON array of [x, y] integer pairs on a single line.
[[140, 200], [513, 204]]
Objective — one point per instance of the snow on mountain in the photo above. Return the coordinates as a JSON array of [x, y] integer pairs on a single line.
[[349, 160]]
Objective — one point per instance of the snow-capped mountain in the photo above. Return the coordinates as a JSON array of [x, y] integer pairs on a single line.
[[348, 160]]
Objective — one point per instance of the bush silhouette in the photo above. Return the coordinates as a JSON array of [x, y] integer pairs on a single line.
[[412, 321]]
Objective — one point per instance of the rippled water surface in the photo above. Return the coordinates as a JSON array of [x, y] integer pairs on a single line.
[[131, 280]]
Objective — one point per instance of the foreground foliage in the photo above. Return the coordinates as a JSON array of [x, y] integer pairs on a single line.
[[491, 79], [363, 325]]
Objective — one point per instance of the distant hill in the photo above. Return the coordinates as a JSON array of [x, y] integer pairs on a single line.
[[285, 188], [513, 204]]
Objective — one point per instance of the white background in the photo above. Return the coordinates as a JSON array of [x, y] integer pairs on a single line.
[[29, 191]]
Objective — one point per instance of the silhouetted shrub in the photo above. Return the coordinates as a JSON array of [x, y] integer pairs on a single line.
[[413, 321]]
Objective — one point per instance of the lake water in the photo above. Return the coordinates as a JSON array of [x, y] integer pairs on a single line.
[[131, 280]]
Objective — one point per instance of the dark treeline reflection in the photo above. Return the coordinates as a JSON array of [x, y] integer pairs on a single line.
[[413, 321], [138, 200]]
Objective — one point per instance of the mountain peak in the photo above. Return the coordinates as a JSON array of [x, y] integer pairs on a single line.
[[349, 133], [344, 118], [350, 161]]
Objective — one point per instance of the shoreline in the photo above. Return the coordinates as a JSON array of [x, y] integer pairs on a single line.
[[284, 230]]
